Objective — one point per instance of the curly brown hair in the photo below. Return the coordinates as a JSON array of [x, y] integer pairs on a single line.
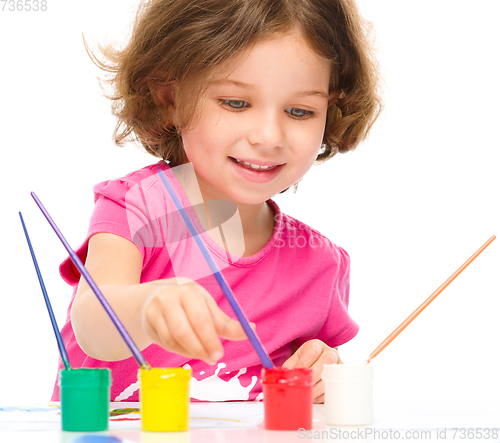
[[183, 45]]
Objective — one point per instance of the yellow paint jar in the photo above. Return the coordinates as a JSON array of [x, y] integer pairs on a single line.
[[164, 397]]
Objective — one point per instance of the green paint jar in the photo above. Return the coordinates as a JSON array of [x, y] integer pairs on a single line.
[[84, 399]]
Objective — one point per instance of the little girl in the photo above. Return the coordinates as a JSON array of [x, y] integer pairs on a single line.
[[238, 98]]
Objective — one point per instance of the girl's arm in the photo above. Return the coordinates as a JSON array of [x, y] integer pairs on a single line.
[[177, 314], [314, 354]]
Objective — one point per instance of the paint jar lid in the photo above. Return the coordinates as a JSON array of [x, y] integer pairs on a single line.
[[82, 377], [292, 377], [345, 373], [163, 376]]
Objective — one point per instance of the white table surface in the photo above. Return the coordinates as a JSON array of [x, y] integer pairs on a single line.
[[430, 422]]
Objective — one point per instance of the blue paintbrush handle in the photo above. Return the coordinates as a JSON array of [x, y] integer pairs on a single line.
[[252, 336], [78, 263], [60, 344]]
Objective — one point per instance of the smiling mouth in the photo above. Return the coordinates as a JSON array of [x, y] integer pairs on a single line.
[[253, 166]]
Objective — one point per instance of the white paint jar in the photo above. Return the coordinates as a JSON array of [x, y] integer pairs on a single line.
[[348, 394]]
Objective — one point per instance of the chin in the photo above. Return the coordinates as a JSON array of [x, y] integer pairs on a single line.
[[252, 200]]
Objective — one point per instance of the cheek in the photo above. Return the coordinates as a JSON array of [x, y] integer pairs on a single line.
[[197, 140], [211, 134], [307, 142]]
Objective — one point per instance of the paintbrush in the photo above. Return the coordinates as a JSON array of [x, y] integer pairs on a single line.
[[252, 336], [60, 344], [109, 310], [426, 303]]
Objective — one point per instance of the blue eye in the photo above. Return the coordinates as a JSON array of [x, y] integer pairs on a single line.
[[235, 104], [299, 113]]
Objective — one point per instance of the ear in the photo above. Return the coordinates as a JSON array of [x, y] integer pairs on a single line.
[[333, 96], [163, 95], [164, 98]]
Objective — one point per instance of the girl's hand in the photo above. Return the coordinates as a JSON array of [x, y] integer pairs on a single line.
[[314, 354], [185, 319]]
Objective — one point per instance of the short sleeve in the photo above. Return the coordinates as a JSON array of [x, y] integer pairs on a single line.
[[109, 215], [328, 300], [339, 327], [133, 207]]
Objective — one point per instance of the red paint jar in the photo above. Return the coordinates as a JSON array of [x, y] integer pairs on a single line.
[[287, 398]]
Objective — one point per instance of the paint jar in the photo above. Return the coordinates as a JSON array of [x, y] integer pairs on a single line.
[[287, 398], [348, 394], [164, 397], [84, 399]]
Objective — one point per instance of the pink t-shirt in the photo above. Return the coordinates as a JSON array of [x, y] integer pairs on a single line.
[[295, 289]]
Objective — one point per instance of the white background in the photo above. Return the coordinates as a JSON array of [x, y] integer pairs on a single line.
[[410, 205]]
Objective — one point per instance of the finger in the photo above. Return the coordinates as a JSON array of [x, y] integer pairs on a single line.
[[309, 353], [160, 335], [320, 399], [154, 325], [225, 326], [318, 389], [202, 324], [328, 357], [182, 332], [290, 362], [158, 331]]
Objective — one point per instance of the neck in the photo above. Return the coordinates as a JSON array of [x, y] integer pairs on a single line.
[[257, 220], [256, 223]]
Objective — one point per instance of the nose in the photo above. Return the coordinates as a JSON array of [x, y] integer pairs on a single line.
[[266, 129]]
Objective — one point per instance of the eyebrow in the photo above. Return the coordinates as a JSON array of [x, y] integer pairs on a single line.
[[236, 83], [252, 87]]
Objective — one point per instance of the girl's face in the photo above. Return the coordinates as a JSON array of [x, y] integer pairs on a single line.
[[260, 129]]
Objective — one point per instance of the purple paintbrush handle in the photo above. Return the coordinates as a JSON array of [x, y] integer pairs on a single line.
[[109, 310], [252, 336], [60, 342]]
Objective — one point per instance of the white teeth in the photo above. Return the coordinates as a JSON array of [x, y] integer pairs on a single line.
[[254, 166]]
